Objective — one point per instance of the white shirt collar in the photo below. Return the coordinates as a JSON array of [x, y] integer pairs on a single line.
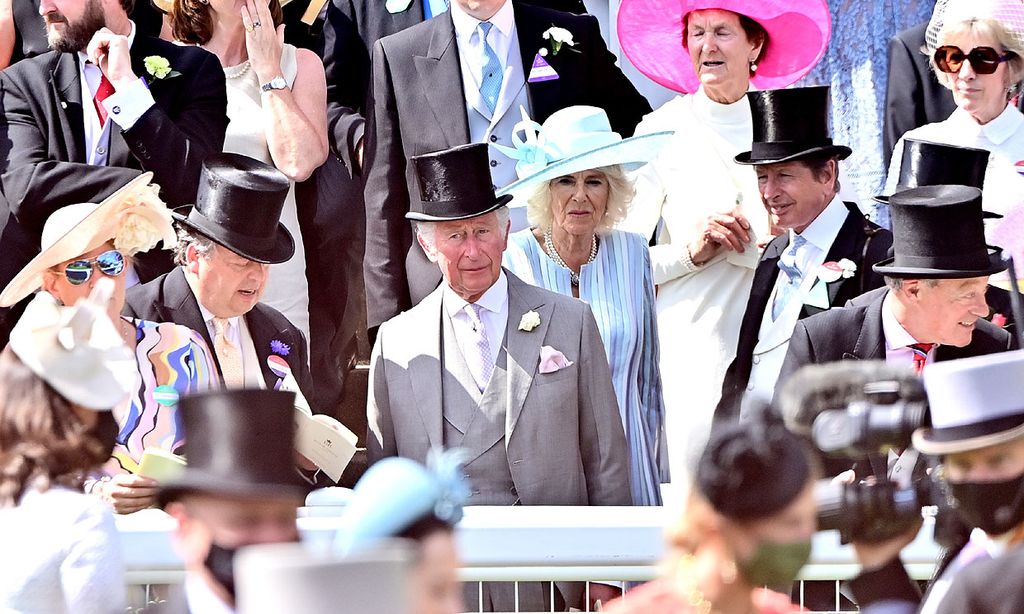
[[83, 58], [996, 131], [465, 24], [822, 232], [493, 300], [896, 336]]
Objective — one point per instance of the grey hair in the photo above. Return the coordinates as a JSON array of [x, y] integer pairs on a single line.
[[427, 231], [896, 283], [987, 28], [186, 237], [620, 195]]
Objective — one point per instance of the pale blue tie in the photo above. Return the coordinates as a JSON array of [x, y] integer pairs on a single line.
[[490, 82], [793, 277]]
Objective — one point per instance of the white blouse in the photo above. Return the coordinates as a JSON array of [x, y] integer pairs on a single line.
[[60, 553]]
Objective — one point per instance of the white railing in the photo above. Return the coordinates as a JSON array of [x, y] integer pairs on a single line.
[[520, 544]]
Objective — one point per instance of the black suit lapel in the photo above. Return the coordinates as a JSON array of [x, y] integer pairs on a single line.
[[67, 91], [764, 278], [263, 333], [848, 245], [181, 307], [871, 340], [545, 96], [441, 81]]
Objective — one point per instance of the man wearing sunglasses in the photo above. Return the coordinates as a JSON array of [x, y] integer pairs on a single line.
[[226, 244]]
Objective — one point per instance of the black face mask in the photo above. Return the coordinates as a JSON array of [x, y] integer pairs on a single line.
[[105, 430], [993, 507], [221, 563]]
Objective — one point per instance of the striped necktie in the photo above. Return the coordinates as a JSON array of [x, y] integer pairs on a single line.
[[481, 363], [920, 351]]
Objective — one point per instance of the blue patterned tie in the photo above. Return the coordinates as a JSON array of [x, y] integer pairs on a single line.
[[793, 275], [490, 83]]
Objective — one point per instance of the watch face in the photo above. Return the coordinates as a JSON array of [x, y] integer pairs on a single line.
[[279, 83]]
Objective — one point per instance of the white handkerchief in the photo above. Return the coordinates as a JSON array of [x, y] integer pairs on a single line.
[[397, 6]]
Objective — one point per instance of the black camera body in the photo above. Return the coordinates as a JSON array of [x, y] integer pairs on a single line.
[[866, 412]]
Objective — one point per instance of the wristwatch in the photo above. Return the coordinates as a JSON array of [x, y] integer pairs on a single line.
[[277, 83]]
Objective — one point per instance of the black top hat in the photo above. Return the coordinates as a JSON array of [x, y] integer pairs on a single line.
[[238, 443], [455, 184], [927, 163], [938, 233], [790, 124], [239, 206]]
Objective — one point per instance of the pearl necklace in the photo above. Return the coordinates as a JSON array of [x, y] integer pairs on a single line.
[[239, 71], [549, 247]]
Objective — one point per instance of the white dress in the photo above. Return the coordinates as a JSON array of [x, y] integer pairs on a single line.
[[286, 290], [699, 310], [60, 552]]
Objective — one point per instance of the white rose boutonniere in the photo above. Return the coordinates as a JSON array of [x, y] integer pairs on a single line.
[[848, 267], [529, 321], [557, 37], [834, 271], [159, 68]]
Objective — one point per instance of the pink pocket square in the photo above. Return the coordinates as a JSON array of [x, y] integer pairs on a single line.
[[552, 360]]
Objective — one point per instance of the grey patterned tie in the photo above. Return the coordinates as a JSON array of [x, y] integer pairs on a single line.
[[480, 361], [793, 275]]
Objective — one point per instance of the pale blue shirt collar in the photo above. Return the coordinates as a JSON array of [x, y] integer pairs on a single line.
[[822, 232], [998, 130], [495, 299], [504, 23]]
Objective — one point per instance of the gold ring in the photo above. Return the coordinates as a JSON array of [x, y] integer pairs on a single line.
[[249, 28]]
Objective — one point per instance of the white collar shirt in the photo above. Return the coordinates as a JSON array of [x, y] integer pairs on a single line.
[[897, 338], [819, 236], [235, 325], [494, 316], [471, 47]]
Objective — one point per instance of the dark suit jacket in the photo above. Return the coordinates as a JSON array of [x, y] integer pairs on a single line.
[[858, 240], [855, 333], [417, 106], [913, 96], [42, 145], [170, 299], [351, 29]]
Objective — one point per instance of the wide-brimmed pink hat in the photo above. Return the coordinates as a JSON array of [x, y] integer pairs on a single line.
[[651, 35]]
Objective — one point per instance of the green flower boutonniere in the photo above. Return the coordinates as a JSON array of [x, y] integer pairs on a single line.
[[159, 68]]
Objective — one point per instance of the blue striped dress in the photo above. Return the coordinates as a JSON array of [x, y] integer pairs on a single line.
[[619, 289]]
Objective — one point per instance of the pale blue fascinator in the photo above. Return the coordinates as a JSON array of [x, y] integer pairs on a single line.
[[396, 492], [572, 140]]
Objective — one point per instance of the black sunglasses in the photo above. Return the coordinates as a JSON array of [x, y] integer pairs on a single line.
[[110, 263], [984, 60]]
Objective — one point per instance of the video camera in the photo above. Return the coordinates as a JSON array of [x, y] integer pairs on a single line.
[[866, 412]]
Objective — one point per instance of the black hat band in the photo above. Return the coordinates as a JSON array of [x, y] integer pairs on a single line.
[[231, 239], [979, 261], [976, 429]]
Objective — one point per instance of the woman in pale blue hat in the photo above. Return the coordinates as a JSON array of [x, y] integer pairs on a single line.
[[573, 184], [400, 498]]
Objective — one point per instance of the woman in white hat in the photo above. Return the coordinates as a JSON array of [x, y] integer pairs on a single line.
[[707, 209], [575, 191], [61, 374], [977, 51], [84, 243]]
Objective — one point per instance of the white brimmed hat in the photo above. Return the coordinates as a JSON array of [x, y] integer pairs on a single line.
[[77, 350], [975, 403], [571, 140], [1009, 14], [134, 217]]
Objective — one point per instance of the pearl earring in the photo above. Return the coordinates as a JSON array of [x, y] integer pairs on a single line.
[[753, 66]]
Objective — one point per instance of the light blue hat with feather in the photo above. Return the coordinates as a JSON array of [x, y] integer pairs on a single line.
[[396, 492]]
